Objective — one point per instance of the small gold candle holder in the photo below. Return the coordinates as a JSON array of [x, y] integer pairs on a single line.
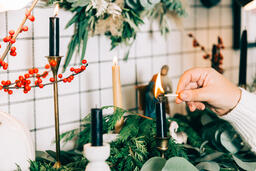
[[162, 144], [55, 69]]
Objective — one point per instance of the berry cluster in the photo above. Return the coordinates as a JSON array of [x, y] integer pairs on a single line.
[[25, 81], [32, 78], [11, 38], [216, 57]]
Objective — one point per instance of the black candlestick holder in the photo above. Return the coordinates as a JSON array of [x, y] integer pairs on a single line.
[[55, 69]]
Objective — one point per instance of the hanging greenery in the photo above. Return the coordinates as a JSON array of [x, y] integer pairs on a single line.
[[212, 143], [119, 20]]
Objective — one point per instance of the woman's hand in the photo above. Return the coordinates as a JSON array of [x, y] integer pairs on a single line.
[[199, 87]]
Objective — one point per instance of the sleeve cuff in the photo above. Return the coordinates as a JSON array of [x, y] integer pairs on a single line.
[[243, 118]]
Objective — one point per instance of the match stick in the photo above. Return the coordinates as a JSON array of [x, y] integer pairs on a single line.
[[171, 95]]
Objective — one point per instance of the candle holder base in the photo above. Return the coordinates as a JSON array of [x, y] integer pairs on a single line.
[[57, 165], [97, 156], [162, 144]]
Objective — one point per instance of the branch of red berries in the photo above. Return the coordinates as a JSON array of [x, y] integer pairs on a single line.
[[11, 38], [25, 81], [216, 57]]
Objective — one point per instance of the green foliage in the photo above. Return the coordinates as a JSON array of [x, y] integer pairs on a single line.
[[85, 21], [136, 144]]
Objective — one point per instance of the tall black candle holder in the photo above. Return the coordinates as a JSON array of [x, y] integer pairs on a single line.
[[55, 69]]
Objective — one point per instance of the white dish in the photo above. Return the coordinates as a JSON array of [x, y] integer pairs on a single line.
[[16, 145]]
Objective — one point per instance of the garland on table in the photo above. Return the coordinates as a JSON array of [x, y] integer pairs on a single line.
[[212, 143], [117, 19]]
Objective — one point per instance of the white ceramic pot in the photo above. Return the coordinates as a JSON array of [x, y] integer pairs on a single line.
[[97, 155], [16, 145]]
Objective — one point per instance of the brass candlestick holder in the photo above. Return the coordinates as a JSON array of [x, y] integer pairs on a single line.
[[162, 144], [55, 69]]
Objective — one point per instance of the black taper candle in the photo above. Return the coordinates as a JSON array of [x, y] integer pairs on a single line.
[[161, 128], [96, 127], [54, 37], [243, 59]]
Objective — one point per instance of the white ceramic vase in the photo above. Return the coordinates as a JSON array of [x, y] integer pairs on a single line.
[[97, 155]]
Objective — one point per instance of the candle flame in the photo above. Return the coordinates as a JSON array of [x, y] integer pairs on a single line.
[[56, 10], [158, 86], [115, 60]]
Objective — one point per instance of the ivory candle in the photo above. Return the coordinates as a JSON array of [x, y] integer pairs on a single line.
[[117, 93]]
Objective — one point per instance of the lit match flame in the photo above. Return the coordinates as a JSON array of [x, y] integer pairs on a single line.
[[115, 61], [56, 10], [158, 86]]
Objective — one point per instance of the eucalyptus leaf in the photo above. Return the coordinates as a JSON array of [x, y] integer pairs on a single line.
[[210, 166], [154, 164], [226, 141], [179, 164], [211, 156], [249, 166]]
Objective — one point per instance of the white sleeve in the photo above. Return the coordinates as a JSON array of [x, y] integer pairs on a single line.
[[243, 118]]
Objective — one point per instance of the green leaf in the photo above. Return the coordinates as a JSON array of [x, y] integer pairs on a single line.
[[249, 166], [211, 166], [179, 164], [154, 164], [85, 40]]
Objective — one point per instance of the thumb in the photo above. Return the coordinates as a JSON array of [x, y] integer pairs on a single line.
[[200, 94]]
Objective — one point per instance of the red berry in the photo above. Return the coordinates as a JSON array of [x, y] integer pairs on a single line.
[[84, 61], [53, 63], [5, 66], [39, 81], [13, 49], [60, 75], [27, 87], [8, 82], [40, 85], [31, 71], [83, 67], [71, 77], [6, 39], [18, 84], [45, 74], [10, 92], [31, 18], [1, 87], [5, 90], [65, 80], [25, 91], [13, 53], [3, 82], [72, 69], [26, 75], [21, 78], [52, 79], [25, 28], [12, 41], [47, 66], [35, 70], [28, 82], [0, 46], [11, 32]]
